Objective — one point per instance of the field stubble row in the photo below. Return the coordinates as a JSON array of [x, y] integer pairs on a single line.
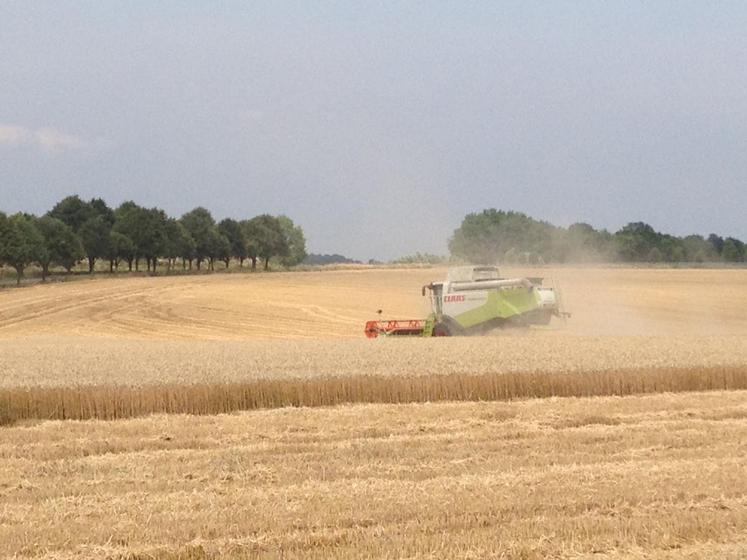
[[657, 477]]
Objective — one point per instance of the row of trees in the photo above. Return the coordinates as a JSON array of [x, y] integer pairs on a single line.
[[76, 230], [495, 235]]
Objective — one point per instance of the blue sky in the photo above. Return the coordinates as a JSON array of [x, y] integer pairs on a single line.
[[378, 126]]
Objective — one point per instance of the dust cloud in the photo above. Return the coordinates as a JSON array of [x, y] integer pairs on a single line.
[[647, 301]]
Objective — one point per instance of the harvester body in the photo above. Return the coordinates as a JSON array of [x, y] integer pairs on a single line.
[[476, 299]]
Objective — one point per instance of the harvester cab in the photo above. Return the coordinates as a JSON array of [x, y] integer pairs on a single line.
[[475, 299]]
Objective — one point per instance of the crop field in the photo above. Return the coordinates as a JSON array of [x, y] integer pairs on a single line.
[[618, 433], [335, 304], [658, 476]]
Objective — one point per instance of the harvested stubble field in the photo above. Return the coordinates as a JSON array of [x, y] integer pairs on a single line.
[[658, 476]]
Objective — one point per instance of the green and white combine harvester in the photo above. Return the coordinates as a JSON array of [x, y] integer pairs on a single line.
[[475, 299]]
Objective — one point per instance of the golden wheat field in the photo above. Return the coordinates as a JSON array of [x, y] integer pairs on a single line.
[[334, 304], [619, 433], [659, 476]]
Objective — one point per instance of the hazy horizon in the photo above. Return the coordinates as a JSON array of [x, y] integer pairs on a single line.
[[377, 128]]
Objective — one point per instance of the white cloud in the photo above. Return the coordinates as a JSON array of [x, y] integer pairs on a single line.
[[52, 140], [46, 139], [11, 135]]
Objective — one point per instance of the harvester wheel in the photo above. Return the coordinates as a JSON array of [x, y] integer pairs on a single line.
[[439, 329]]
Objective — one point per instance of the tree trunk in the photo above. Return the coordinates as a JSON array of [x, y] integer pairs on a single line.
[[267, 263], [45, 271], [111, 266], [19, 274], [91, 263], [137, 264], [241, 262], [226, 261], [129, 263], [254, 263], [199, 262]]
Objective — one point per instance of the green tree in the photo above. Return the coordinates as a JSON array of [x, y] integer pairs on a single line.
[[100, 208], [733, 250], [484, 237], [94, 235], [200, 223], [635, 241], [132, 221], [219, 247], [586, 244], [252, 233], [4, 235], [73, 211], [420, 258], [118, 247], [296, 242], [153, 241], [91, 221], [179, 243], [265, 239], [717, 242], [478, 238], [61, 244], [234, 233], [672, 248], [21, 242], [655, 255], [698, 249]]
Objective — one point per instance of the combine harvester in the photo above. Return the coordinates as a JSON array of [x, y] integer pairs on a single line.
[[475, 299]]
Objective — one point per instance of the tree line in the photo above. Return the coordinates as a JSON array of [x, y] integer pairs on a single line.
[[496, 235], [76, 230]]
